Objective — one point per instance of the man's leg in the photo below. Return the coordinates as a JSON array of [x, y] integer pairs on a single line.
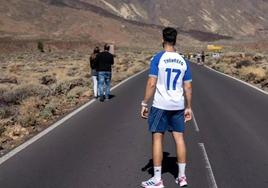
[[181, 157], [157, 154], [180, 147], [107, 84], [100, 85], [157, 147]]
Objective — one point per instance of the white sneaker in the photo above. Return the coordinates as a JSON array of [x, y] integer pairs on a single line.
[[152, 183], [181, 181]]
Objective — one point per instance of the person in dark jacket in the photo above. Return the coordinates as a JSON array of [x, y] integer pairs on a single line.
[[104, 62], [203, 56], [94, 73]]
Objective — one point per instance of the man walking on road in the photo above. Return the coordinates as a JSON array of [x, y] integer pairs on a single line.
[[104, 62], [170, 82]]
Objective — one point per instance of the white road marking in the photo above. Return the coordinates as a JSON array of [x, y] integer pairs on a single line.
[[211, 177], [57, 124], [195, 123], [241, 81]]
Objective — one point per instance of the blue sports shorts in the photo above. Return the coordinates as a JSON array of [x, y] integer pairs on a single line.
[[161, 121]]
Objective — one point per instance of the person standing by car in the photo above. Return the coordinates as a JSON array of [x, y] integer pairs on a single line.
[[94, 73], [104, 62]]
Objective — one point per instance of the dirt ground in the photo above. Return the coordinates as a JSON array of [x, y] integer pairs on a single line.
[[36, 89]]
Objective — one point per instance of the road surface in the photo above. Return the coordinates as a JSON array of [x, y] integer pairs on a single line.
[[107, 144]]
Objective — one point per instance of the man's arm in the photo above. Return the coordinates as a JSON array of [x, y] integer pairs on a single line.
[[188, 103], [150, 89]]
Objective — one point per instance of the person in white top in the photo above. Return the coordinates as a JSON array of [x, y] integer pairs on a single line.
[[170, 82]]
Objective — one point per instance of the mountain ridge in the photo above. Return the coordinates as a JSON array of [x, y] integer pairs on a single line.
[[101, 20]]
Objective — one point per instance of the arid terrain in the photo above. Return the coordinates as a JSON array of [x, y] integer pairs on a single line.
[[38, 88], [250, 67]]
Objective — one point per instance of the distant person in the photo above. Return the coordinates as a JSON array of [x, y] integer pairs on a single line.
[[198, 58], [104, 61], [203, 56], [94, 73], [170, 82]]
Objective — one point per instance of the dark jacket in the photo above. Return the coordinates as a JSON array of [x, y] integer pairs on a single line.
[[104, 61], [93, 64]]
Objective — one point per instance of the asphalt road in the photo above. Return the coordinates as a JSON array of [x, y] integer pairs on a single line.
[[107, 144]]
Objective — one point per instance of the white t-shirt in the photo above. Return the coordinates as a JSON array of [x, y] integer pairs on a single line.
[[171, 71]]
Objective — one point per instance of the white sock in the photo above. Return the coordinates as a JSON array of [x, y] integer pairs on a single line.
[[181, 169], [157, 172]]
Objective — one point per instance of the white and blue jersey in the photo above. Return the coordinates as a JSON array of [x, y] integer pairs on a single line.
[[171, 71]]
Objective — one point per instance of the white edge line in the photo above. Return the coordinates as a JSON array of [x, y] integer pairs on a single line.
[[212, 183], [241, 81], [57, 124], [195, 123]]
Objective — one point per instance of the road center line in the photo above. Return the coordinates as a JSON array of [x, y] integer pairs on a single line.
[[195, 123], [57, 124], [211, 177]]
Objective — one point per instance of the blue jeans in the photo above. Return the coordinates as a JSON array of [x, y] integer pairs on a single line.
[[104, 81]]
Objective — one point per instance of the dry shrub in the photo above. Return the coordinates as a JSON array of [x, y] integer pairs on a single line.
[[3, 89], [226, 59], [48, 79], [40, 69], [50, 109], [87, 93], [122, 68], [87, 75], [258, 57], [16, 95], [77, 92], [123, 61], [65, 86], [244, 63], [2, 129], [15, 132], [73, 71], [29, 112], [5, 112], [8, 79], [254, 74], [15, 68], [222, 67]]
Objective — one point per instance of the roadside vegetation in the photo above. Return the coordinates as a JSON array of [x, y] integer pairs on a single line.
[[250, 67], [36, 89]]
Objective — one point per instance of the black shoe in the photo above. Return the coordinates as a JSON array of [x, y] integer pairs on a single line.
[[101, 98]]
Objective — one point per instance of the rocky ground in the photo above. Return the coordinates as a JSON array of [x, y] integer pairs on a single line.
[[36, 89]]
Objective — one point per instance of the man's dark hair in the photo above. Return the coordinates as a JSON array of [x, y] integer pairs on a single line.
[[170, 35], [106, 47]]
